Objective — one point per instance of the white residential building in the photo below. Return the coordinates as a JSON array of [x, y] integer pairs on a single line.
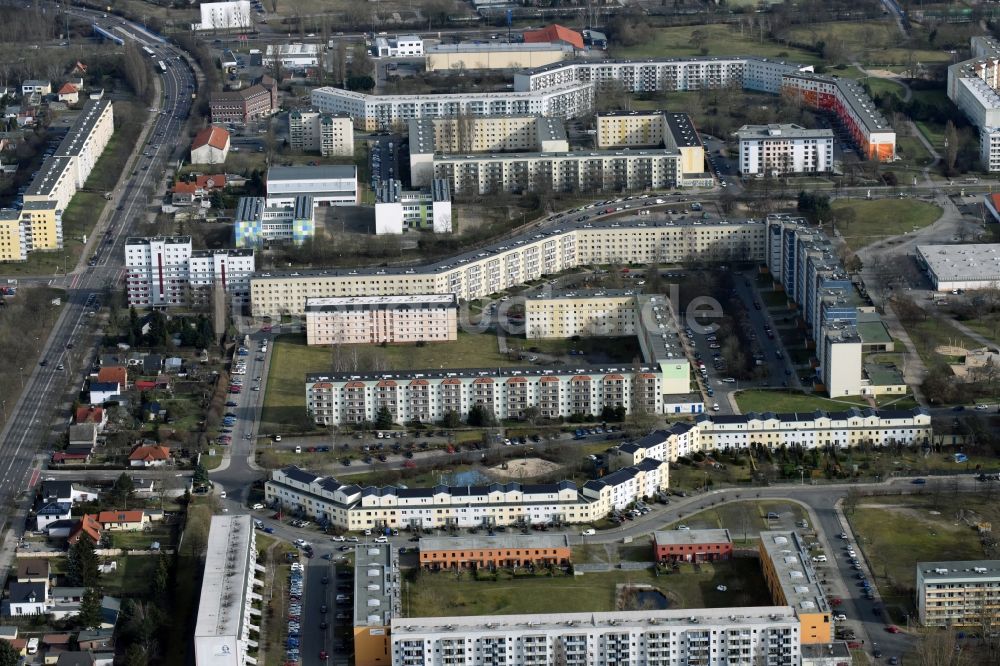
[[775, 150], [401, 46], [228, 588], [234, 15], [973, 86], [958, 593], [397, 209], [164, 271], [324, 133], [377, 112], [336, 185], [87, 138], [378, 319]]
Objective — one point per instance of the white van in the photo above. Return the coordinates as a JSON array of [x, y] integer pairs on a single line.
[[590, 532], [32, 646]]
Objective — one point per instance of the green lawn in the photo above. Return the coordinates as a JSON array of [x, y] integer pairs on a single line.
[[882, 218], [285, 395], [933, 132], [897, 532], [719, 40], [884, 86], [746, 520], [612, 349], [912, 150], [762, 400], [929, 334], [871, 42], [444, 595], [133, 577]]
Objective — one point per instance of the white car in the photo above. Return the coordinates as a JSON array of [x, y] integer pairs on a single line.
[[338, 538], [683, 527], [840, 617], [819, 558], [277, 438], [296, 566], [381, 539], [590, 532], [301, 543], [258, 507], [368, 532]]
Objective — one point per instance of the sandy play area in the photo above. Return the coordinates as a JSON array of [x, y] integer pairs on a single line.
[[523, 468]]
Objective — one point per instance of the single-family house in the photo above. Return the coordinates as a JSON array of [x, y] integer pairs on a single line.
[[69, 93], [91, 414], [79, 69], [123, 521], [26, 599], [67, 491], [152, 364], [92, 640], [154, 411], [50, 513], [26, 116], [71, 457], [88, 527], [145, 487], [210, 146], [32, 570], [184, 194], [149, 456], [76, 659], [113, 373], [173, 364], [35, 87], [111, 608], [103, 392], [83, 436]]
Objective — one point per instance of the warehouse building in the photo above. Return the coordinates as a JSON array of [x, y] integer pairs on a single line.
[[951, 267], [335, 185], [494, 55]]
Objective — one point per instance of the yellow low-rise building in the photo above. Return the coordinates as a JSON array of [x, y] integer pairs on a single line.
[[44, 224]]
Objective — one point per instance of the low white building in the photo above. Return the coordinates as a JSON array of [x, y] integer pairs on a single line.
[[397, 209], [774, 150], [401, 46], [210, 146], [292, 56], [335, 185], [969, 266], [233, 15]]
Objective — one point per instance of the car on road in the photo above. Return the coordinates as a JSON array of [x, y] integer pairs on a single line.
[[43, 363], [301, 543], [337, 538], [840, 617], [257, 507], [892, 629], [381, 539], [590, 532], [919, 482]]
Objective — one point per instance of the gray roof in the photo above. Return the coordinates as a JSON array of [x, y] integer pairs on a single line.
[[376, 585], [312, 172], [782, 131], [958, 570], [75, 139], [524, 541], [690, 537]]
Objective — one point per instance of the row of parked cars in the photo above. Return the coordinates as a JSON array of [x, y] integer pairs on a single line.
[[296, 578]]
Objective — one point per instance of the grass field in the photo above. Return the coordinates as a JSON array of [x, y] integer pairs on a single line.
[[897, 532], [760, 400], [912, 150], [746, 520], [720, 40], [883, 218], [931, 333], [871, 42], [933, 132], [443, 595], [884, 86]]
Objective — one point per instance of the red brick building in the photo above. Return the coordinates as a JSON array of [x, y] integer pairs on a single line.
[[692, 545], [241, 106], [513, 550]]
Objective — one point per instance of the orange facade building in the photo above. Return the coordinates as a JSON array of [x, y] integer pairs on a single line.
[[515, 550]]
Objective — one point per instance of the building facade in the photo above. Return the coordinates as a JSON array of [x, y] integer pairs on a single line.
[[958, 594], [966, 266], [228, 588], [401, 46], [335, 185], [163, 271], [692, 545], [352, 507], [232, 15], [87, 138], [258, 221], [758, 635], [380, 112], [397, 209], [792, 581], [585, 313], [210, 146], [239, 107], [324, 133], [495, 55], [479, 552], [667, 129], [776, 150], [378, 319], [972, 86], [292, 56]]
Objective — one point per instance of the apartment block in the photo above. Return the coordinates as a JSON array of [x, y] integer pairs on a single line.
[[397, 209], [334, 185], [663, 129], [746, 635], [958, 593], [352, 507], [87, 138], [163, 271], [377, 587], [258, 221], [228, 590], [502, 550], [584, 312], [972, 86], [232, 15], [378, 319], [13, 244], [56, 182], [379, 112], [324, 133], [519, 259], [42, 225], [776, 150], [792, 581]]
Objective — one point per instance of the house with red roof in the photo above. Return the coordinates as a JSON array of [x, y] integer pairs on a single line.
[[86, 526], [114, 373], [90, 414], [554, 34], [149, 456], [215, 181], [210, 146], [71, 457], [69, 93], [122, 521]]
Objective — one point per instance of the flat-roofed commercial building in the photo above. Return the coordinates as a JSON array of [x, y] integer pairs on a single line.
[[336, 185], [352, 507], [969, 266], [377, 319], [502, 550], [745, 635], [692, 545], [259, 221], [774, 150], [519, 259], [958, 593], [225, 612], [495, 55], [324, 133], [292, 56], [377, 585], [792, 581], [397, 209], [376, 112]]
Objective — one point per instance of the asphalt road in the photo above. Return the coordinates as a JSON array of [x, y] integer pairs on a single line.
[[27, 430]]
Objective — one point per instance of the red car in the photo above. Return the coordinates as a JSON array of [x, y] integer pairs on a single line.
[[836, 601], [892, 629], [322, 655]]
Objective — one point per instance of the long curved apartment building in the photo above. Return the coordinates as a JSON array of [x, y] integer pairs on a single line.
[[973, 86]]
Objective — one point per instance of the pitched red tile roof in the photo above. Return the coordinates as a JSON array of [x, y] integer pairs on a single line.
[[213, 136], [149, 453], [87, 525], [62, 456], [89, 414], [67, 89], [554, 33], [214, 180], [113, 373], [185, 188], [105, 517]]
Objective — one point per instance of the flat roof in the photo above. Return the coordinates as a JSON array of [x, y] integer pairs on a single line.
[[494, 46], [322, 172], [381, 302], [884, 374], [625, 152], [873, 331], [682, 129], [229, 252], [575, 294], [690, 537], [227, 567], [146, 240], [957, 570], [782, 131], [85, 122], [498, 541], [476, 373], [53, 167], [447, 97], [796, 576], [376, 585], [660, 61], [973, 262]]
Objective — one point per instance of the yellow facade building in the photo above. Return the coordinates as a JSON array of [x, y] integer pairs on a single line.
[[660, 129], [12, 240], [792, 581]]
